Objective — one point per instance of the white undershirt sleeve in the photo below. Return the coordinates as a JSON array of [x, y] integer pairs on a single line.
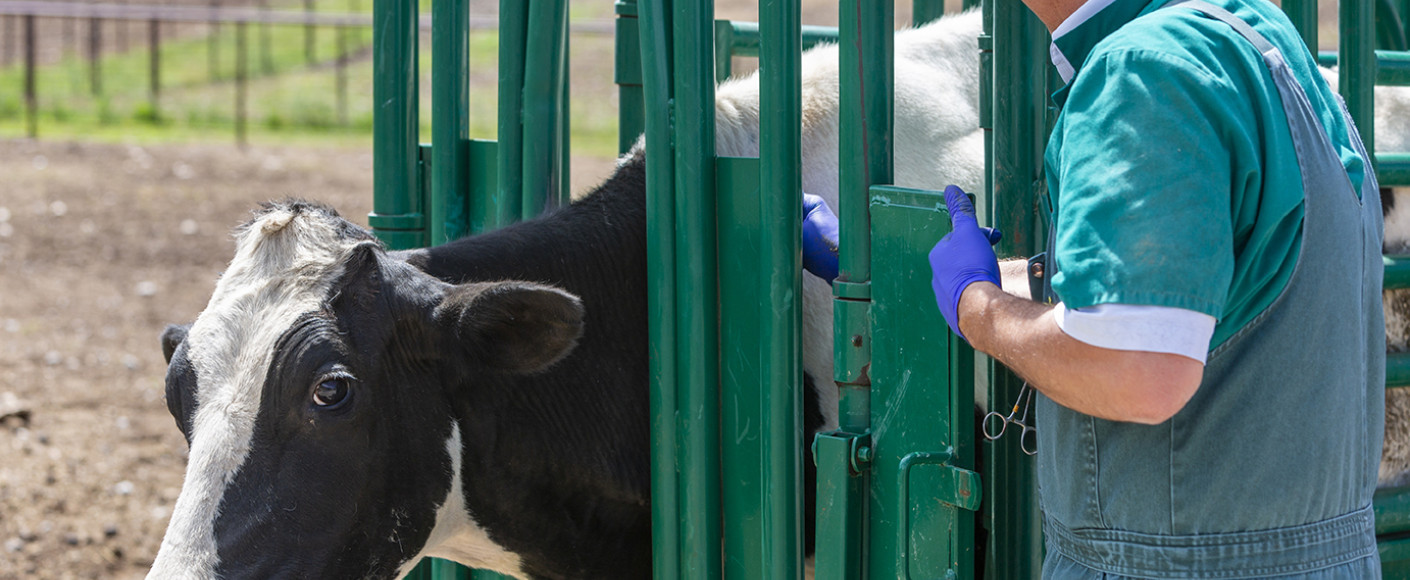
[[1144, 328]]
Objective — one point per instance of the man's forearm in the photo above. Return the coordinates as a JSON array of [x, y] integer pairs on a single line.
[[1014, 273], [1119, 385]]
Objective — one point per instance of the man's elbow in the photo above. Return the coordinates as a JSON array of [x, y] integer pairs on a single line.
[[1165, 387]]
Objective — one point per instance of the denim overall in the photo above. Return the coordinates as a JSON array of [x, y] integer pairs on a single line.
[[1270, 468]]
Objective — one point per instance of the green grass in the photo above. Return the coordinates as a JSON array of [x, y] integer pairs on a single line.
[[288, 99]]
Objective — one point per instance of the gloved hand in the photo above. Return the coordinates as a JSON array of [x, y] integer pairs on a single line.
[[819, 238], [964, 256]]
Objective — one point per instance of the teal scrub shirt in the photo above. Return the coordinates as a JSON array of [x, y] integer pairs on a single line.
[[1171, 168]]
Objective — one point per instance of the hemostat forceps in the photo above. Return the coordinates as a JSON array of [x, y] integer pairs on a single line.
[[1028, 435]]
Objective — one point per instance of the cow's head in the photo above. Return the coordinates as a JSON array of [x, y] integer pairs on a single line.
[[317, 393]]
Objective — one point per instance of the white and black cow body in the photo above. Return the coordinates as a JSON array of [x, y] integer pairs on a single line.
[[351, 410]]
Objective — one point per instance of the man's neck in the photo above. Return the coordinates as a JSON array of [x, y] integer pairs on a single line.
[[1053, 12]]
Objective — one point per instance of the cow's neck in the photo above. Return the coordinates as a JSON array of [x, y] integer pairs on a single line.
[[559, 458]]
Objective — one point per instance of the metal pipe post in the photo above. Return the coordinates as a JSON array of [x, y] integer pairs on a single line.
[[1358, 69], [627, 74], [448, 213], [396, 204], [1303, 14], [544, 140], [513, 34], [866, 153], [697, 316], [923, 11], [780, 159], [654, 21]]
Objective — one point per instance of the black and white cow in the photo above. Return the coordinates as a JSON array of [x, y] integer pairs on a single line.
[[350, 410]]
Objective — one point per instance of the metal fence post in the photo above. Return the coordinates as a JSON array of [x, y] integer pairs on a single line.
[[780, 157], [450, 101], [544, 161], [654, 25], [1357, 77], [696, 303], [397, 205], [513, 32]]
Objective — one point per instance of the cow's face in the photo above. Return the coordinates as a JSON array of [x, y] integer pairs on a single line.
[[317, 392]]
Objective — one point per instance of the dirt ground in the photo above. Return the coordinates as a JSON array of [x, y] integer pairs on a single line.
[[100, 247]]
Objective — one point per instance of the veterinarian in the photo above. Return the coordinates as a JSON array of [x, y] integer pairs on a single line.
[[1210, 350]]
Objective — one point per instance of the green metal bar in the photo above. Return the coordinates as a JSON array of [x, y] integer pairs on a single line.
[[563, 194], [1390, 34], [780, 321], [448, 212], [444, 570], [1395, 557], [744, 37], [1397, 369], [422, 571], [1303, 14], [513, 36], [842, 500], [545, 75], [866, 148], [866, 80], [1358, 72], [396, 204], [724, 44], [740, 229], [654, 19], [1393, 169], [627, 74], [483, 163], [1014, 151], [1392, 67], [1397, 272], [923, 11], [697, 328], [1392, 508]]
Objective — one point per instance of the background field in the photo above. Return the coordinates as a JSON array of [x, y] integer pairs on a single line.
[[117, 222]]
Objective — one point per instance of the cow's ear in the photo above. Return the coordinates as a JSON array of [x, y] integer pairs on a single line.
[[172, 338], [519, 327]]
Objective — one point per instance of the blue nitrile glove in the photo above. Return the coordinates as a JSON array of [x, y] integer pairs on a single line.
[[964, 256], [819, 238]]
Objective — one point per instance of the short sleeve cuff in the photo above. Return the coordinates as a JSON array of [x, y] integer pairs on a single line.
[[1140, 328]]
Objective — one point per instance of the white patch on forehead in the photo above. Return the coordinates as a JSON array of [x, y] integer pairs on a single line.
[[456, 536], [285, 264]]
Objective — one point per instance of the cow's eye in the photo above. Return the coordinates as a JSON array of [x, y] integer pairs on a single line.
[[332, 392]]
